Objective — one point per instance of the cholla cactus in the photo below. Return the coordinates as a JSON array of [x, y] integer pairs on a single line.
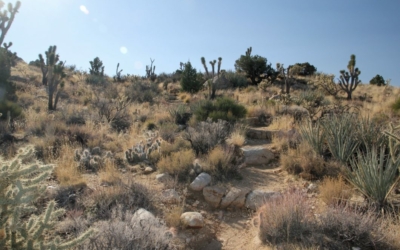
[[141, 151], [19, 188], [91, 159]]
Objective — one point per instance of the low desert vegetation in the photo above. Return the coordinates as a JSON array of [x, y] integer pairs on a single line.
[[82, 154]]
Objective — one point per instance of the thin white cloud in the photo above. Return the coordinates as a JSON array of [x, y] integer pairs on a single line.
[[84, 9]]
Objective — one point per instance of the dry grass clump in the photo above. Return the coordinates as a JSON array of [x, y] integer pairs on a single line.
[[109, 174], [67, 171], [284, 122], [177, 163], [127, 196], [347, 227], [285, 219], [173, 216], [125, 232], [303, 161], [288, 223], [220, 163], [237, 139], [334, 191]]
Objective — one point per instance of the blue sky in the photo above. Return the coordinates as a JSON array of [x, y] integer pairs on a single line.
[[323, 33]]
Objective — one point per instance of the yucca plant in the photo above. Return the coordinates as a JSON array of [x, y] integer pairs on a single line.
[[370, 133], [314, 136], [373, 174], [341, 136]]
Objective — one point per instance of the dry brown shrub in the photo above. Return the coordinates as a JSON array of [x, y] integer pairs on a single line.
[[66, 171], [109, 174], [173, 216], [334, 191], [304, 162], [178, 163], [285, 219]]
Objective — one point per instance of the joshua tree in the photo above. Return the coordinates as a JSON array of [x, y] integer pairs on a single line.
[[286, 77], [212, 88], [348, 80], [5, 20], [53, 74], [118, 77], [150, 70]]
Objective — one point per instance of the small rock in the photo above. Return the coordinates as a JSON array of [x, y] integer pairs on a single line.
[[257, 155], [196, 203], [235, 198], [192, 220], [163, 177], [197, 166], [148, 170], [213, 195], [142, 215], [200, 182], [312, 187], [257, 198], [170, 196]]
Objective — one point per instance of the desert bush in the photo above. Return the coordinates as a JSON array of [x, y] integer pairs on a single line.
[[190, 81], [334, 191], [238, 136], [168, 131], [141, 91], [346, 228], [237, 80], [341, 136], [124, 233], [374, 174], [173, 216], [67, 171], [129, 197], [180, 114], [12, 107], [285, 219], [223, 108], [221, 163], [207, 135], [377, 80], [253, 66], [177, 163], [303, 161]]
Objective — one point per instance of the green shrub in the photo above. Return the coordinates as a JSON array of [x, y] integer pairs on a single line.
[[238, 80], [223, 108], [5, 106], [190, 79], [341, 136], [140, 91], [374, 174], [314, 136]]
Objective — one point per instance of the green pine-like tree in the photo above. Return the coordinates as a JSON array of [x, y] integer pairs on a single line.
[[20, 187], [189, 79]]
